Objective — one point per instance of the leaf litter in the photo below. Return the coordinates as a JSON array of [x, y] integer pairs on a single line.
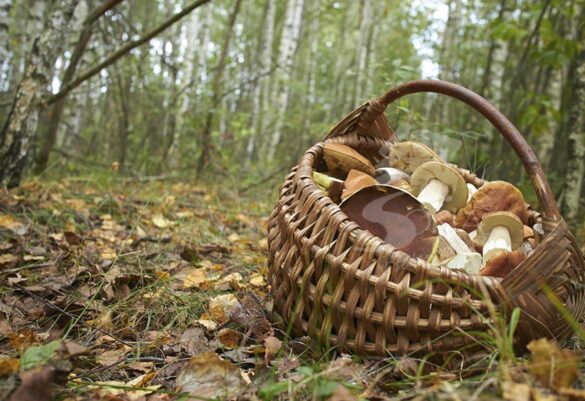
[[112, 293]]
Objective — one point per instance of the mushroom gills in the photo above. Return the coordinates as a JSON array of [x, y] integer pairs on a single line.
[[433, 195], [499, 239]]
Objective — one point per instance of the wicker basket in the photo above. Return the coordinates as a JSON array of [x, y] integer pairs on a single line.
[[347, 288]]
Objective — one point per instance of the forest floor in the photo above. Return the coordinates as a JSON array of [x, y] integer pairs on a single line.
[[112, 289]]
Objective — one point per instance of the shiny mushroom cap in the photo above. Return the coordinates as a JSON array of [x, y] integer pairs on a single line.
[[407, 156], [355, 181], [449, 176], [505, 219], [340, 159], [395, 216], [491, 197]]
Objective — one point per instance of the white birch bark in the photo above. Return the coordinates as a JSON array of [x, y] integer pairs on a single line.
[[192, 54], [18, 133], [362, 49], [261, 89], [5, 6], [288, 46]]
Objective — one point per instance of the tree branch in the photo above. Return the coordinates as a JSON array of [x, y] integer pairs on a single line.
[[122, 51]]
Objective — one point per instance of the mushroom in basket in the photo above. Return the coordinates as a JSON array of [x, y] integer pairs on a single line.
[[491, 197], [341, 159], [439, 186], [501, 234], [407, 156], [395, 216]]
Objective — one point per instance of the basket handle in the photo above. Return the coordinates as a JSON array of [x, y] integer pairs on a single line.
[[529, 160]]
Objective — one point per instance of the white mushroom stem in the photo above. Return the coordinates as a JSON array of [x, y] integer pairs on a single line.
[[466, 259], [471, 189], [433, 194], [499, 239]]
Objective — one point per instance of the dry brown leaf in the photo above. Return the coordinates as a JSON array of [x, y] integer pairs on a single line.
[[552, 366], [36, 385], [193, 341], [207, 376], [272, 345], [191, 278], [8, 366], [342, 394], [229, 338], [572, 394]]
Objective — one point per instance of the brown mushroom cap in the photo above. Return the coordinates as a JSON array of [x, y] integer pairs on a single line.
[[449, 176], [340, 159], [355, 181], [503, 263], [407, 156], [395, 216], [491, 197], [444, 216], [505, 219]]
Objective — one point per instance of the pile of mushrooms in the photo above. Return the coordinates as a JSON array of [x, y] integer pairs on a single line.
[[423, 206]]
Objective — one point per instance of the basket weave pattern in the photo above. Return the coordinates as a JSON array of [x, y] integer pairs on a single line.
[[344, 286]]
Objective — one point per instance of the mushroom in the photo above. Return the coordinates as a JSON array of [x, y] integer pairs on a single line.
[[340, 159], [355, 181], [331, 186], [465, 258], [395, 216], [503, 263], [438, 186], [385, 175], [499, 231], [407, 156], [491, 197], [444, 216], [529, 242], [471, 189]]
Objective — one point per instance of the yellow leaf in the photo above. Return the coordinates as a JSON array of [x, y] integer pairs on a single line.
[[161, 221], [553, 367], [8, 366], [192, 277]]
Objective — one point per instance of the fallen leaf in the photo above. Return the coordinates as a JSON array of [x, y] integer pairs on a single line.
[[208, 376], [191, 278], [257, 280], [39, 355], [516, 391], [272, 345], [341, 393], [193, 341], [8, 366], [229, 338], [8, 221], [8, 260], [552, 366], [161, 221], [36, 385]]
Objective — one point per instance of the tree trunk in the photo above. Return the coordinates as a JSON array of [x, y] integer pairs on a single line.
[[48, 140], [288, 46], [576, 142], [18, 133], [206, 139], [191, 59], [261, 88], [362, 50], [5, 6]]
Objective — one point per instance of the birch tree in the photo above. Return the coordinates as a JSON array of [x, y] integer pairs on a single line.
[[288, 46], [5, 6], [192, 54], [362, 49], [261, 89], [17, 135]]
